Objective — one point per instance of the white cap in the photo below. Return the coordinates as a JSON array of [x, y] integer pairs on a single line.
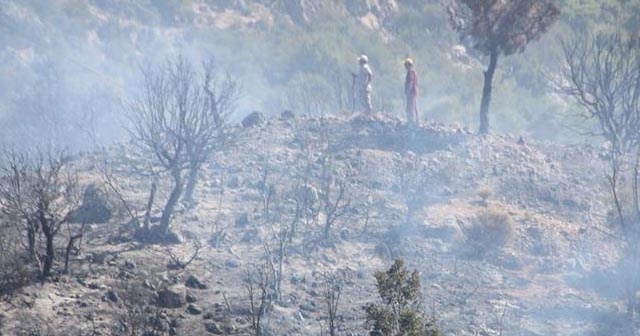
[[363, 58]]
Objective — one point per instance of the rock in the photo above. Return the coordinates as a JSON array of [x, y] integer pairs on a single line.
[[509, 261], [230, 263], [173, 297], [447, 231], [297, 279], [213, 328], [242, 220], [147, 284], [191, 298], [157, 235], [129, 264], [208, 316], [307, 193], [95, 207], [234, 182], [93, 285], [255, 118], [250, 236], [308, 307], [521, 141], [111, 296], [193, 309], [193, 282], [172, 237], [160, 322], [287, 115]]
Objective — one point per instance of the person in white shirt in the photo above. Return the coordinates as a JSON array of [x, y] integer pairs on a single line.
[[363, 87]]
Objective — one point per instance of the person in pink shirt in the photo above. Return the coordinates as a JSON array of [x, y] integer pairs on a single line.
[[411, 92]]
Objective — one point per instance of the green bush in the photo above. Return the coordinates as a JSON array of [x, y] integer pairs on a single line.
[[399, 313]]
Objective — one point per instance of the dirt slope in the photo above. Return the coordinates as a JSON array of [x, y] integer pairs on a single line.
[[412, 193]]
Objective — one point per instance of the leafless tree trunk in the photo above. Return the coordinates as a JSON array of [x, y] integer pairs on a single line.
[[602, 74], [334, 196], [275, 259], [333, 291], [71, 244], [221, 94], [192, 181], [39, 189], [179, 118], [486, 91], [257, 285]]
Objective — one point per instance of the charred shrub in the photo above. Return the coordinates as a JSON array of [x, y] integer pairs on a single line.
[[15, 272], [484, 192], [489, 231], [136, 316]]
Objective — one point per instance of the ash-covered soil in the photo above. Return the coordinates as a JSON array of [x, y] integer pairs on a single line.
[[409, 193]]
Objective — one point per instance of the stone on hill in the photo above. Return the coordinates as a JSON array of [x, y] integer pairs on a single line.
[[95, 207], [191, 298], [194, 309], [213, 328], [307, 193], [193, 282], [287, 115], [254, 118], [242, 220], [172, 297], [448, 230]]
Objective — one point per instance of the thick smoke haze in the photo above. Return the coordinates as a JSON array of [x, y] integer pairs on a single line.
[[284, 56]]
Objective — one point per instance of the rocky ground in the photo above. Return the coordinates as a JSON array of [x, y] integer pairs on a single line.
[[409, 193]]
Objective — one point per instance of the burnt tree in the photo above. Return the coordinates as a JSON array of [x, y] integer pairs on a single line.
[[602, 74], [212, 131], [498, 28], [177, 118], [41, 193]]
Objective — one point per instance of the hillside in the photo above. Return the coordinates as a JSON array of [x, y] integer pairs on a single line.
[[90, 51], [414, 194]]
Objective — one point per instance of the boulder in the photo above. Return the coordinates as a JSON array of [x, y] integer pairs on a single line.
[[193, 309], [307, 193], [95, 207], [191, 298], [172, 297], [193, 282], [254, 118], [447, 231], [213, 328], [111, 295], [242, 220], [287, 115]]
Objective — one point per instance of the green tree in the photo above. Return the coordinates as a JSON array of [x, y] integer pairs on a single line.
[[500, 28], [399, 313]]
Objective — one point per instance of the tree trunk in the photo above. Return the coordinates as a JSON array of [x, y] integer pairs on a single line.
[[32, 232], [70, 244], [51, 254], [165, 220], [486, 92], [192, 180], [147, 211]]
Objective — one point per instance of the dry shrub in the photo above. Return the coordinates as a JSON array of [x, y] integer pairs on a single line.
[[490, 230], [485, 192], [15, 271]]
